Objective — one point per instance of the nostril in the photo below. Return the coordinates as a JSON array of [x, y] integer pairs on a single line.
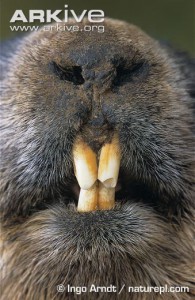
[[72, 74], [136, 71]]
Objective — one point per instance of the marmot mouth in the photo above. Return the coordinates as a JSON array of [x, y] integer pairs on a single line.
[[97, 174], [125, 192], [99, 180]]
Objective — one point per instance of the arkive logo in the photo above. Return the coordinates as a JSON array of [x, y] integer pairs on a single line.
[[48, 16]]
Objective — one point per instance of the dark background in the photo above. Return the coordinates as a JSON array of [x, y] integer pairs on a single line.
[[171, 20]]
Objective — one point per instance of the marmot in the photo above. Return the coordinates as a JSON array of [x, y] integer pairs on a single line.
[[60, 86]]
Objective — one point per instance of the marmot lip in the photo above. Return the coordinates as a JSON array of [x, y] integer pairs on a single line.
[[97, 181]]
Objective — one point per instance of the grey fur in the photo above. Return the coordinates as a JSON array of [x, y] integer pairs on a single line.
[[131, 84]]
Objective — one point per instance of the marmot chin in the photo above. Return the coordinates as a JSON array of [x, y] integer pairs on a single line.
[[58, 88]]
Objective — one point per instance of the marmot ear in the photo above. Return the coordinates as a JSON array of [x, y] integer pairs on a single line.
[[186, 65], [8, 48]]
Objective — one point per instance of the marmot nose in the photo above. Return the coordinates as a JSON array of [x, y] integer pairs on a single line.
[[101, 77], [97, 128], [97, 118], [97, 121], [104, 77]]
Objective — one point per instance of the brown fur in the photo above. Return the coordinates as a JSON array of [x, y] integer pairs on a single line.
[[122, 81]]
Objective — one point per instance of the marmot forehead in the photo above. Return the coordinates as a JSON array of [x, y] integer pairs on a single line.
[[114, 30], [118, 37]]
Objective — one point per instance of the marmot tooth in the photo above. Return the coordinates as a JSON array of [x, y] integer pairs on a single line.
[[109, 163], [85, 164], [88, 199], [106, 197]]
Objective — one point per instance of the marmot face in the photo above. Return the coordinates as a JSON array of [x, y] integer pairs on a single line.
[[58, 87]]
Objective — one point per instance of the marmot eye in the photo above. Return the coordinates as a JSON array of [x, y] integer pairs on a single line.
[[126, 74], [72, 74]]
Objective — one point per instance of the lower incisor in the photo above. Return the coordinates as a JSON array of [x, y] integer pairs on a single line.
[[106, 197], [88, 199], [98, 197]]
